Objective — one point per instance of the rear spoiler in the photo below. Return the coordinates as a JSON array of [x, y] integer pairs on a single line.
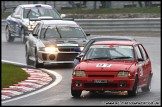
[[71, 19], [42, 18]]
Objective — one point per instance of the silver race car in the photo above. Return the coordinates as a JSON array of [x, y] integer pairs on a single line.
[[54, 41]]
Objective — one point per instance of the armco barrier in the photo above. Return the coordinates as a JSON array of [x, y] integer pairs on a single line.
[[118, 25]]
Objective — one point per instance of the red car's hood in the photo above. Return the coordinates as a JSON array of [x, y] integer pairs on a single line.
[[104, 65]]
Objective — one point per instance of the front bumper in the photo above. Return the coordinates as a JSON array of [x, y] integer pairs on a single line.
[[57, 57], [113, 84]]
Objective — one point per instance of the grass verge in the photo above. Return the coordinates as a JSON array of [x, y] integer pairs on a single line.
[[150, 10], [11, 74]]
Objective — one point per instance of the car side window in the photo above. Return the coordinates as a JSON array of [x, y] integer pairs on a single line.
[[138, 52], [145, 57], [20, 12]]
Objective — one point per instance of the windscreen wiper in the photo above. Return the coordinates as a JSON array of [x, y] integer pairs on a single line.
[[100, 58], [122, 57], [45, 32], [58, 32]]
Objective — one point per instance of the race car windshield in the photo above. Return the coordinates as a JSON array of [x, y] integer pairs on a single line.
[[109, 52], [62, 32], [71, 32], [36, 12]]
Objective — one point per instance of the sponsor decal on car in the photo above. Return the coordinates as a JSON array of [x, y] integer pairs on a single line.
[[103, 65]]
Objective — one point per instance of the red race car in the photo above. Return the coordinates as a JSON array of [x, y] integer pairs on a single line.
[[113, 66]]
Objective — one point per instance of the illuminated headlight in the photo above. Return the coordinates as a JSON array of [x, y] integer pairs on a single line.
[[81, 48], [31, 26], [123, 74], [49, 49], [79, 73]]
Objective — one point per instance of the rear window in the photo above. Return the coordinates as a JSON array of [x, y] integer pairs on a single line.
[[36, 12]]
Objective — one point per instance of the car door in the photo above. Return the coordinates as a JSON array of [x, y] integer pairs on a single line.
[[147, 63], [141, 65], [34, 39]]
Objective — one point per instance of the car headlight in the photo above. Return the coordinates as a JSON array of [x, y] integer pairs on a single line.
[[31, 26], [123, 74], [81, 48], [79, 73], [49, 49]]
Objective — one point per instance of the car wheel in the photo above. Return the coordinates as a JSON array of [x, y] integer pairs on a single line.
[[23, 36], [134, 92], [76, 93], [148, 86], [28, 61], [9, 38], [36, 63]]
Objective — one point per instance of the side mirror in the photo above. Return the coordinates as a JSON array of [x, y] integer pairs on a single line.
[[63, 15], [88, 34], [80, 56]]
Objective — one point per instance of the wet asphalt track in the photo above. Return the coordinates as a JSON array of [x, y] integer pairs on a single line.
[[60, 94]]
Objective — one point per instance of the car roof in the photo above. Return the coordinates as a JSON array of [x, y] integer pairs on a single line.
[[33, 5], [119, 38], [115, 42], [60, 22]]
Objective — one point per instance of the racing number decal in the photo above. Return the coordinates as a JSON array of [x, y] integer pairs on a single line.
[[103, 65], [141, 69]]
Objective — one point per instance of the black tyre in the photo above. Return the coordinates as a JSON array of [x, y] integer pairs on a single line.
[[36, 63], [23, 36], [76, 93], [148, 86], [9, 38], [28, 61], [134, 92]]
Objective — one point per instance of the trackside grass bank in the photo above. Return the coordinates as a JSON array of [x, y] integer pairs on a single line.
[[106, 11], [111, 10], [11, 74]]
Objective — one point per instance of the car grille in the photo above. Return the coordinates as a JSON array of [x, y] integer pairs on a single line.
[[107, 76], [94, 85], [66, 56], [66, 49]]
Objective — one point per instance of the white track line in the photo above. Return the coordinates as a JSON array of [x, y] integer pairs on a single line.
[[57, 80]]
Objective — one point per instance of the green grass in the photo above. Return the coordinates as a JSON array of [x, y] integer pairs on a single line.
[[102, 11], [11, 74]]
